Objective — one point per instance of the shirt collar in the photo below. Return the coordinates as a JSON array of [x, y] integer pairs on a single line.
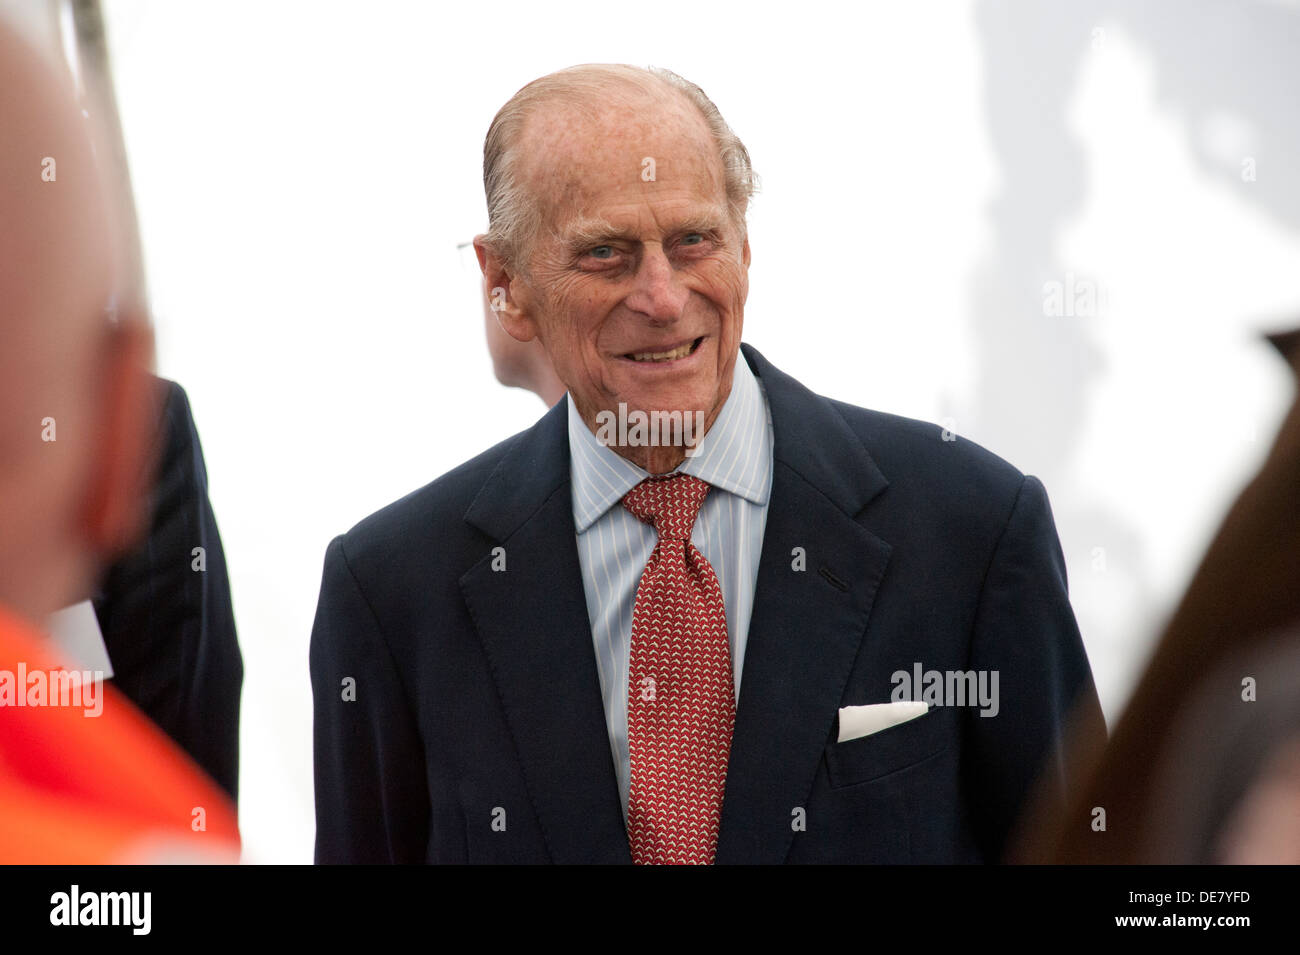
[[735, 456]]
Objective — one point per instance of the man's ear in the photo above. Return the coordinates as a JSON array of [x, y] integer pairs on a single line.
[[505, 292], [745, 252], [123, 467]]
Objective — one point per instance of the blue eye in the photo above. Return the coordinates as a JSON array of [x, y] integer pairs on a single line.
[[602, 252], [686, 240]]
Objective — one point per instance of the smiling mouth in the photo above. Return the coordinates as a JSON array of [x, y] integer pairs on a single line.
[[681, 351]]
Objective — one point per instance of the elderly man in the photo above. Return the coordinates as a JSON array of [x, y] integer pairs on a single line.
[[697, 613]]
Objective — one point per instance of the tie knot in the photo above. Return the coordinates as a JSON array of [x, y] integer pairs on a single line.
[[670, 504]]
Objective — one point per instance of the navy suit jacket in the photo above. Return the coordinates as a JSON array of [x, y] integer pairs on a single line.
[[458, 714], [169, 629]]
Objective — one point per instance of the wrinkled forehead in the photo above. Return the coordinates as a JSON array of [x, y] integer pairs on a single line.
[[580, 158]]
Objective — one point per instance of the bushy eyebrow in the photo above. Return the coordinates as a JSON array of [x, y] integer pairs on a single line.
[[586, 233]]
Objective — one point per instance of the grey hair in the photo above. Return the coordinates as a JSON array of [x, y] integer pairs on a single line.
[[513, 216]]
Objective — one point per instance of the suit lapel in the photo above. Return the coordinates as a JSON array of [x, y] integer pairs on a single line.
[[532, 620], [807, 625], [804, 634]]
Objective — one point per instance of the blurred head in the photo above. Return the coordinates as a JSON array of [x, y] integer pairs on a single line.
[[76, 405], [519, 364], [617, 201]]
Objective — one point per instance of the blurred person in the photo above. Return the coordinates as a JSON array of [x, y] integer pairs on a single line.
[[161, 622], [518, 364], [84, 777], [712, 639], [164, 607], [1202, 766], [1227, 783]]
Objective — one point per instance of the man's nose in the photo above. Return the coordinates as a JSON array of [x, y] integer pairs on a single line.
[[659, 292]]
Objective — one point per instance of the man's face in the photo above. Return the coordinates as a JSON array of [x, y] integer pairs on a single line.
[[637, 283]]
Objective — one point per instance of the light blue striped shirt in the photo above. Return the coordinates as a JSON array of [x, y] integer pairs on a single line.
[[735, 457]]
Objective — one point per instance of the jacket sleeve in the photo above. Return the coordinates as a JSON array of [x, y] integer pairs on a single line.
[[372, 803], [1025, 633], [168, 622]]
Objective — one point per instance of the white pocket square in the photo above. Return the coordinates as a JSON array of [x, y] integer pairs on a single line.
[[858, 721]]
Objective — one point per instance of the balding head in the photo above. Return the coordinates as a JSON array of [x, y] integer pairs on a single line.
[[527, 124], [74, 407], [617, 201]]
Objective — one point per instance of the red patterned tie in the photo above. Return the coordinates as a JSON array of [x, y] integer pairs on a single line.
[[681, 701]]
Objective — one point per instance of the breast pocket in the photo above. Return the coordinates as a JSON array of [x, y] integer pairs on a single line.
[[879, 754]]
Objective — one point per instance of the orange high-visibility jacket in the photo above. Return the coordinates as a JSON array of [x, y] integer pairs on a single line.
[[78, 788]]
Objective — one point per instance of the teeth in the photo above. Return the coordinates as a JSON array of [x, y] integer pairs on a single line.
[[676, 353]]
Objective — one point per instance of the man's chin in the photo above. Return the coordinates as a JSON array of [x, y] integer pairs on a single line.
[[667, 402], [653, 423]]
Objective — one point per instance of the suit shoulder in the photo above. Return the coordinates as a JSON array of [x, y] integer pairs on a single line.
[[914, 450], [413, 520]]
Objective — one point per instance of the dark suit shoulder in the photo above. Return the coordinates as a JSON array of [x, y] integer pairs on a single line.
[[420, 525], [914, 447], [951, 490]]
